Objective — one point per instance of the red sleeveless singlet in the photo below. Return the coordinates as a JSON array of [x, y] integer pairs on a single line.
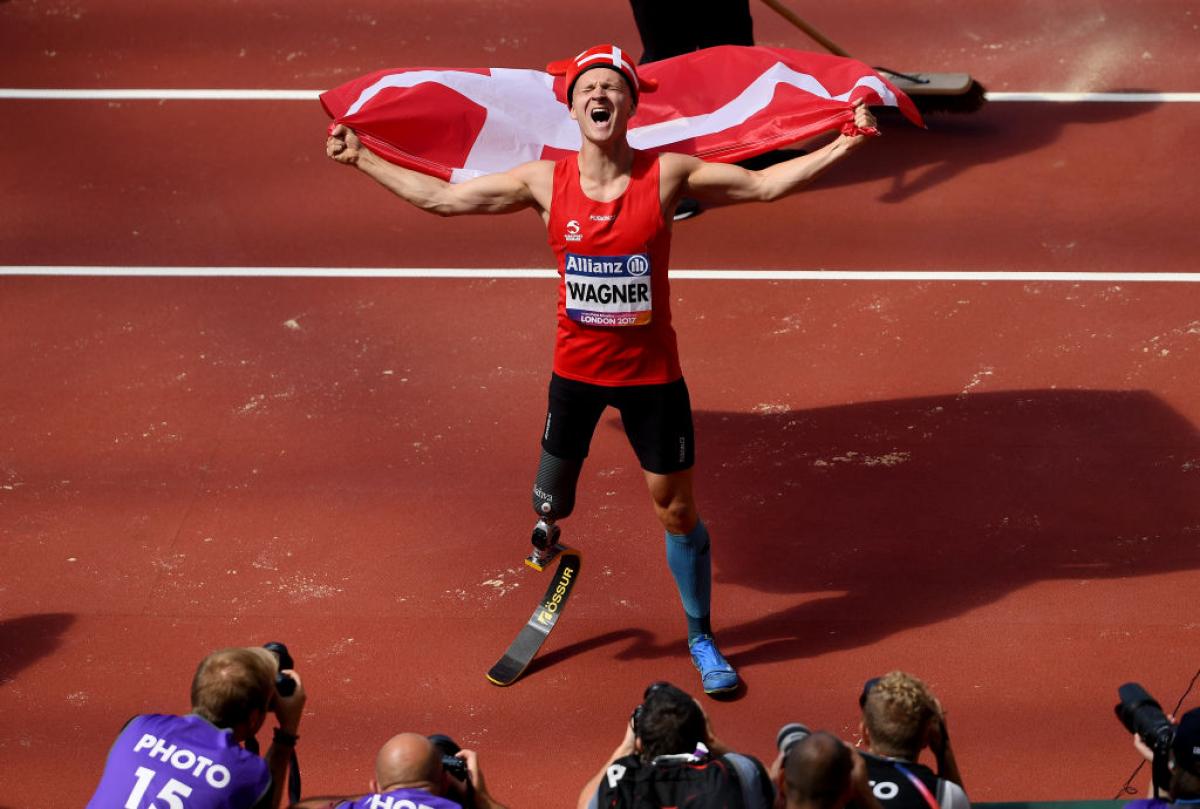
[[614, 299]]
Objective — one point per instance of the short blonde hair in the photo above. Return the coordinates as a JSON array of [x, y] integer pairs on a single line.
[[230, 684], [896, 713]]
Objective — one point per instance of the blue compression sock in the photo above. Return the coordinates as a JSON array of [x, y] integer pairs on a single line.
[[691, 565]]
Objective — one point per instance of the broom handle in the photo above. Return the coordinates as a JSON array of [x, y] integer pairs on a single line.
[[816, 35]]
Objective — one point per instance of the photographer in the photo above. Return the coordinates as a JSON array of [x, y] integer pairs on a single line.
[[412, 770], [199, 758], [1183, 764], [670, 757], [819, 771], [900, 718]]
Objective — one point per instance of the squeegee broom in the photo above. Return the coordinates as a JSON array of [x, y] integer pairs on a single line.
[[931, 92]]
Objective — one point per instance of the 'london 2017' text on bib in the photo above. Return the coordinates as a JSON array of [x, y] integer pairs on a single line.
[[608, 290]]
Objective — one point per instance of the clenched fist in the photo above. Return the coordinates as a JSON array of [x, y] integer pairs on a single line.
[[343, 145]]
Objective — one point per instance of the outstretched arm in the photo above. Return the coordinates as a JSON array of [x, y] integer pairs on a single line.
[[505, 192], [723, 183]]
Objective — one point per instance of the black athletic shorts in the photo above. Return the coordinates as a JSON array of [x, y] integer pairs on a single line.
[[657, 420]]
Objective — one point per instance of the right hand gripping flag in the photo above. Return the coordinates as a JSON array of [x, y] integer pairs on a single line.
[[723, 104]]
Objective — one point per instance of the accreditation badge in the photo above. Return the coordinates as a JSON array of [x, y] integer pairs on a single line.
[[608, 290]]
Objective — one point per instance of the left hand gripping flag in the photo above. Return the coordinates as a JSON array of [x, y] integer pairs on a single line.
[[723, 104]]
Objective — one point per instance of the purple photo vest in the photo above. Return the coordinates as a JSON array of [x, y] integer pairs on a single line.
[[179, 762], [401, 799]]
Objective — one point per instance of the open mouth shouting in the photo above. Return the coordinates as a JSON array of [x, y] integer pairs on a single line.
[[601, 116]]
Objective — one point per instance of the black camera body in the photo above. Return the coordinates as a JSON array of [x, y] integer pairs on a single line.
[[284, 684], [451, 763], [455, 766], [464, 791], [1141, 714]]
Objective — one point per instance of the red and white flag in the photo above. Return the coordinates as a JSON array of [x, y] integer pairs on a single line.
[[723, 104]]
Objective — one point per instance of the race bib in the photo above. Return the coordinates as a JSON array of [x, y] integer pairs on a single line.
[[608, 290]]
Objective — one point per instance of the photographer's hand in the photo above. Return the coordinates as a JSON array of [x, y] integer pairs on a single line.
[[776, 767], [1147, 753], [1143, 748], [714, 745], [288, 710], [938, 740], [483, 799], [628, 745]]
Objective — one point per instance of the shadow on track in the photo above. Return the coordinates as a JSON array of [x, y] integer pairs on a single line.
[[917, 160], [25, 640], [936, 506], [640, 639]]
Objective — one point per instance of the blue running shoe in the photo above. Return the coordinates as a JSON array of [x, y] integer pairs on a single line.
[[716, 674]]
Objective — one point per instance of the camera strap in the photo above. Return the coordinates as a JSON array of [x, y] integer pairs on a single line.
[[293, 786], [294, 779], [1160, 772], [918, 784]]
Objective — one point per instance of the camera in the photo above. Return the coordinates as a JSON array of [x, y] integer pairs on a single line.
[[451, 763], [284, 684], [455, 766], [1141, 714], [789, 735]]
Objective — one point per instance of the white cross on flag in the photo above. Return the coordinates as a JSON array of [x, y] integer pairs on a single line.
[[722, 104]]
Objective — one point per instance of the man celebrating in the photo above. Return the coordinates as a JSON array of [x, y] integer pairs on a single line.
[[608, 213], [198, 760]]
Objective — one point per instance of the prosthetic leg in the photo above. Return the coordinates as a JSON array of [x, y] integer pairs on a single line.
[[553, 500], [545, 544]]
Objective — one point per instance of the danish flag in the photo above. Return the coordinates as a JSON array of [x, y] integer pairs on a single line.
[[723, 104]]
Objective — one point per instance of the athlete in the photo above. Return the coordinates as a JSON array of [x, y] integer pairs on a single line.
[[608, 214]]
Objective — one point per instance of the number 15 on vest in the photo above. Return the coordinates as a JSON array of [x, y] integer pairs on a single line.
[[531, 637]]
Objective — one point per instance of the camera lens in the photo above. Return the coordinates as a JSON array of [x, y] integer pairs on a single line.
[[789, 734], [1141, 714], [284, 684]]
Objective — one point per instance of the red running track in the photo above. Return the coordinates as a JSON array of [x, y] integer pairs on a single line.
[[992, 485]]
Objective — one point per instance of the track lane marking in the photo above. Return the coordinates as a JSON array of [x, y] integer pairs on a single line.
[[974, 276], [218, 94]]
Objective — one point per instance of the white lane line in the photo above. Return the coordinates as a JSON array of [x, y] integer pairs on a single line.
[[974, 276], [1101, 98], [311, 95], [160, 95]]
